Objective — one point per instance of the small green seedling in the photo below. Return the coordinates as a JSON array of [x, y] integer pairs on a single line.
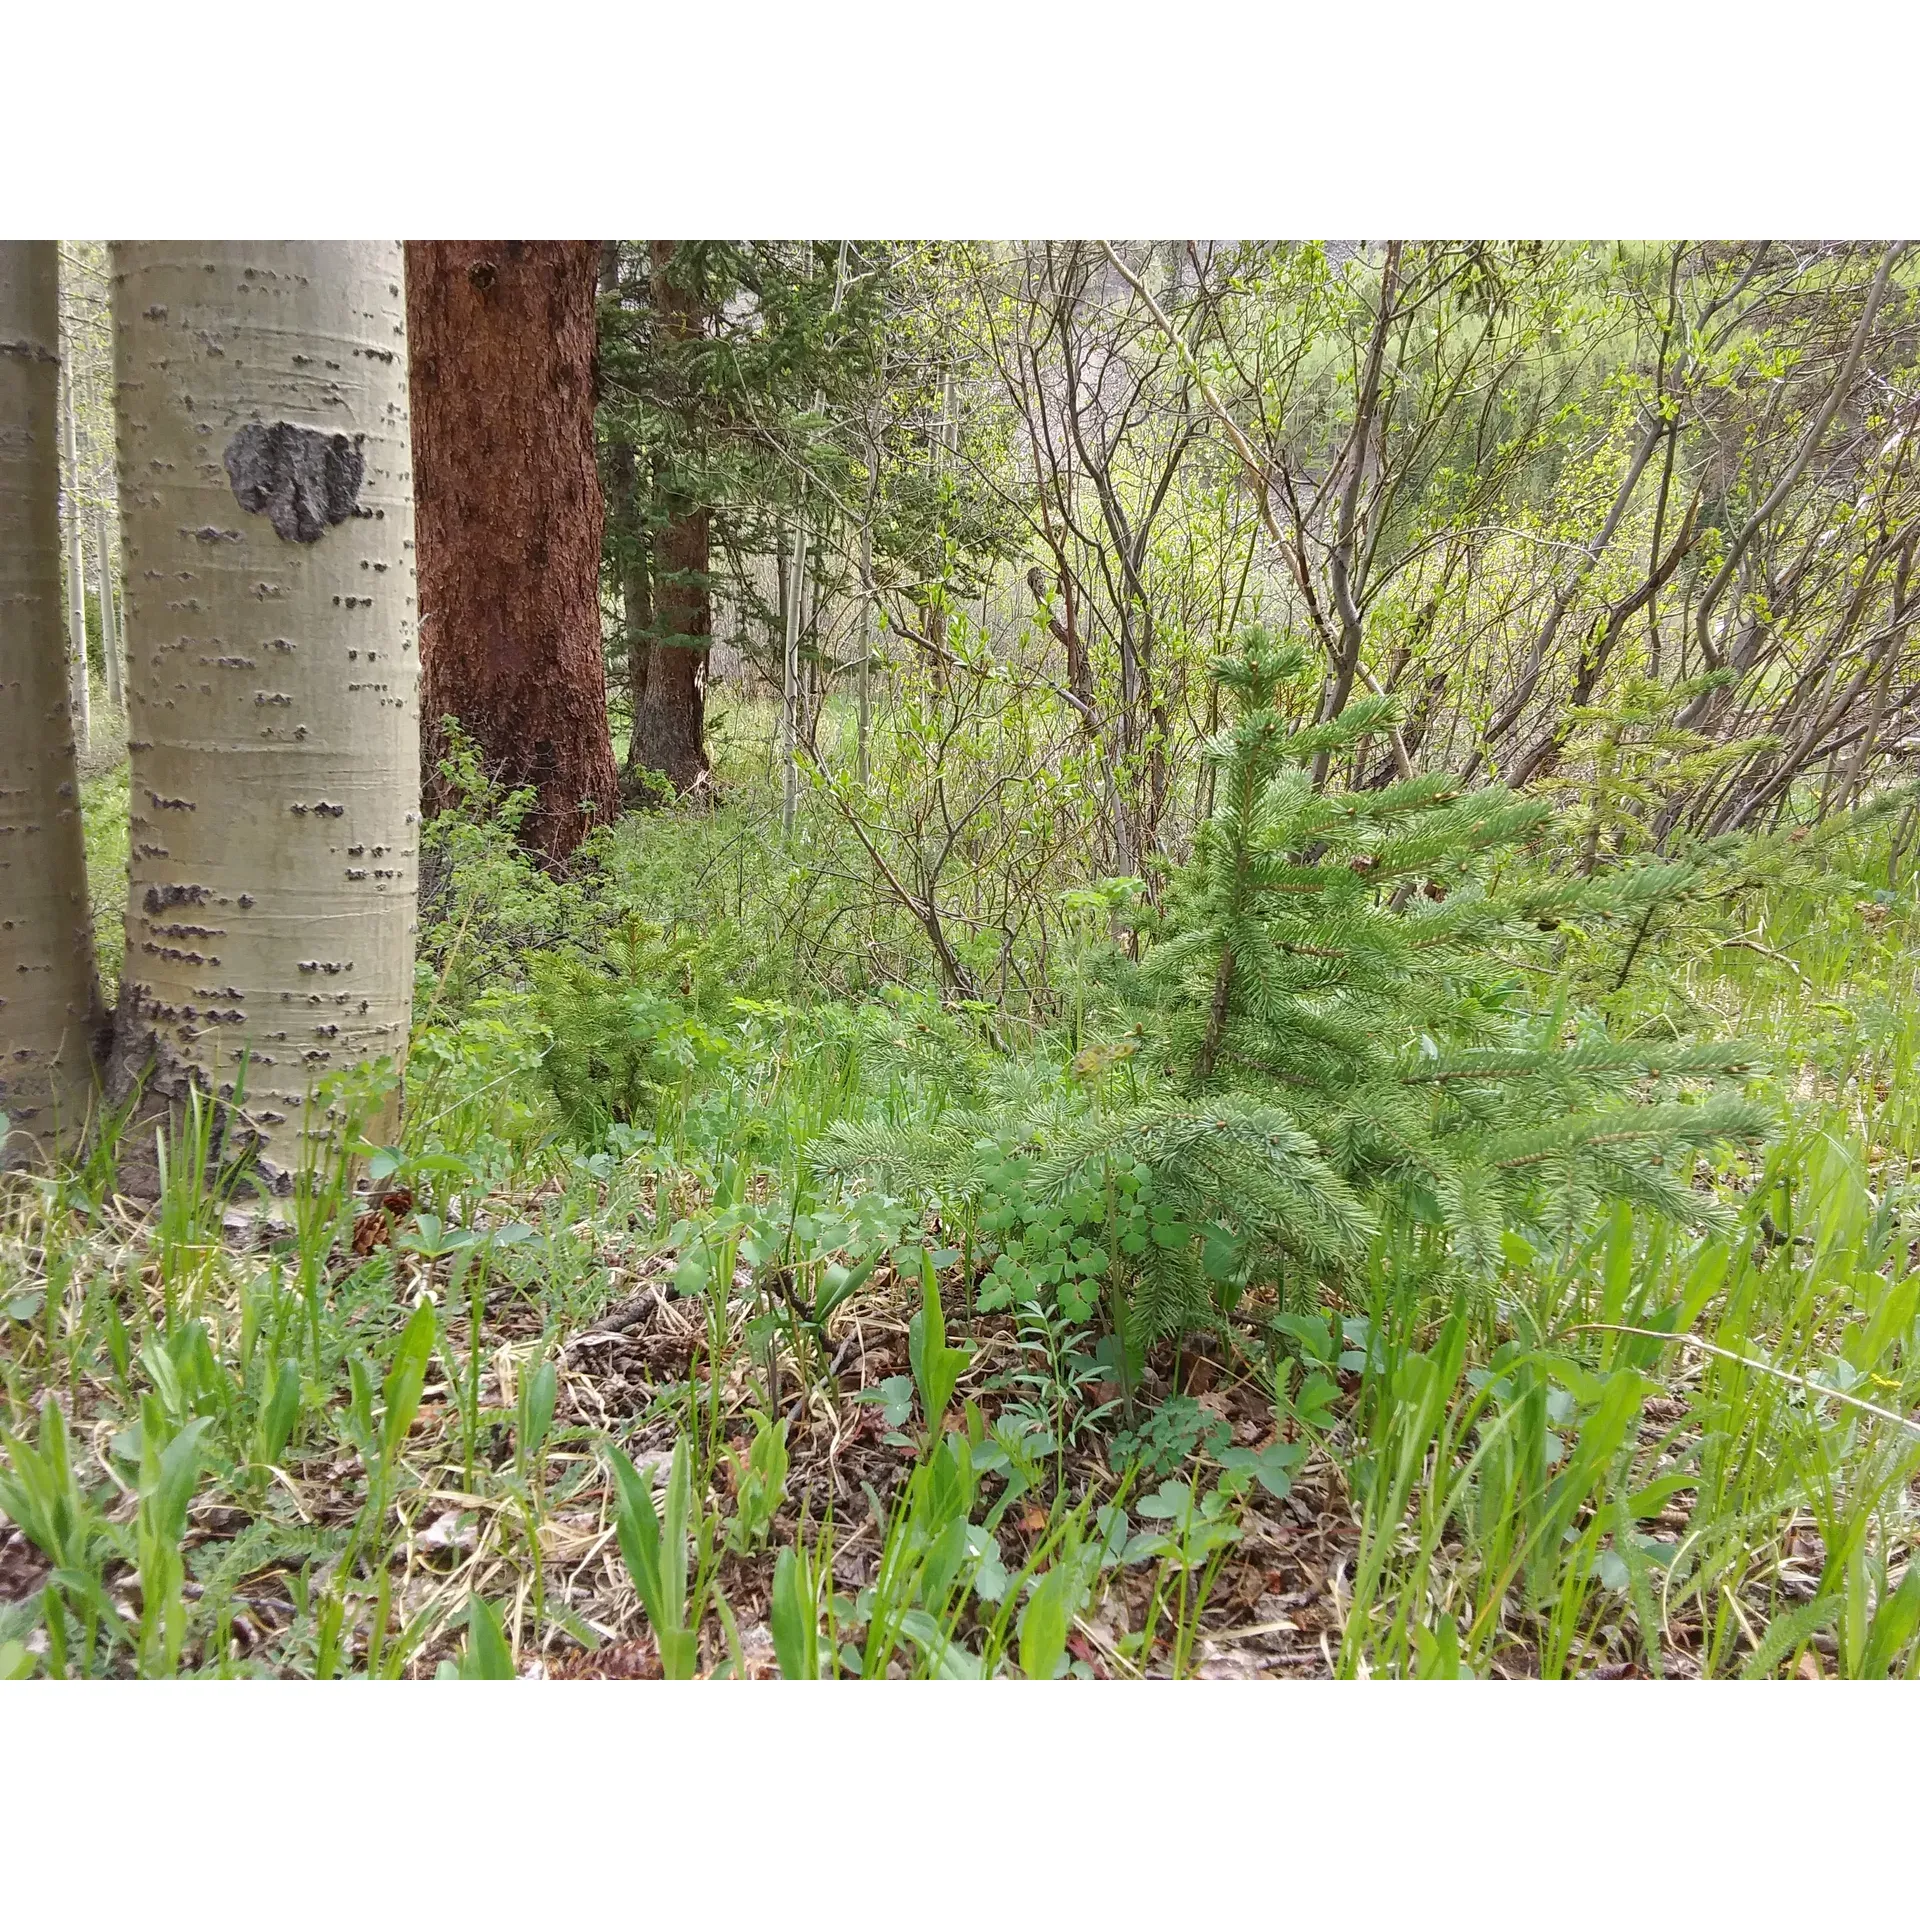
[[936, 1366], [761, 1477], [656, 1550]]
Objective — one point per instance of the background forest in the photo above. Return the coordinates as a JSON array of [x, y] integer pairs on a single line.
[[1196, 958]]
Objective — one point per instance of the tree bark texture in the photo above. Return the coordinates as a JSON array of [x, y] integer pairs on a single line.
[[669, 728], [76, 586], [49, 998], [272, 672], [508, 495], [109, 622]]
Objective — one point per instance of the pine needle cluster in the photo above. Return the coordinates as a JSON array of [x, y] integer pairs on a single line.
[[1358, 959]]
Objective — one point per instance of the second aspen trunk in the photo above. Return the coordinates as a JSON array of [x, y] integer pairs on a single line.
[[49, 1004], [272, 671]]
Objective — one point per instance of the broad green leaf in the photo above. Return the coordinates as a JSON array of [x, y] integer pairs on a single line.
[[537, 1399], [1043, 1625], [406, 1380], [637, 1527], [488, 1656], [280, 1412], [1895, 1626], [793, 1621]]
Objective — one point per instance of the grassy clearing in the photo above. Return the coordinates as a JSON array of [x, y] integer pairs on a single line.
[[602, 1372]]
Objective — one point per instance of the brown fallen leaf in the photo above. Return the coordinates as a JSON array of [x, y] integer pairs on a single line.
[[623, 1660], [374, 1228]]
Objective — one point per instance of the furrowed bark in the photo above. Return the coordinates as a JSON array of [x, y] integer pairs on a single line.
[[511, 516], [50, 1015], [273, 674], [670, 733]]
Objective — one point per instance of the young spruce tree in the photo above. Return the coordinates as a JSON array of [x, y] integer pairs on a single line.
[[1337, 1035]]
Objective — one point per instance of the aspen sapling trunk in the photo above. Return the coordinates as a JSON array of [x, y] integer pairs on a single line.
[[49, 1000], [109, 625], [76, 586], [272, 672], [508, 487], [790, 684]]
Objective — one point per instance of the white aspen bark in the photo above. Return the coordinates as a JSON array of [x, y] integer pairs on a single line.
[[49, 998], [109, 626], [76, 586], [266, 513]]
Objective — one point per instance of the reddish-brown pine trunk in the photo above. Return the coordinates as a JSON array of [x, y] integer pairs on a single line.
[[669, 724], [509, 514]]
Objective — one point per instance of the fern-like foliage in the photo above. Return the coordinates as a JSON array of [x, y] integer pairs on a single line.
[[225, 1567]]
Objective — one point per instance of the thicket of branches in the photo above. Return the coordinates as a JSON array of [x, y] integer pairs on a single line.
[[1627, 526]]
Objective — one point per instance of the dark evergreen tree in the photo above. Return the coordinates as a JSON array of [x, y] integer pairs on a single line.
[[745, 390]]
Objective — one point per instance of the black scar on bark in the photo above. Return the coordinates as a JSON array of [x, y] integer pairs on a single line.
[[303, 480]]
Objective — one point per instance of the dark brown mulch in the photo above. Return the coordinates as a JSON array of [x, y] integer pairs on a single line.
[[23, 1567]]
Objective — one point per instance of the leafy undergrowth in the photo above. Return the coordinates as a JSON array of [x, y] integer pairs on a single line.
[[652, 1349], [410, 1435]]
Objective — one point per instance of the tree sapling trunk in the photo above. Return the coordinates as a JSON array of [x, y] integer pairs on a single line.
[[49, 1000]]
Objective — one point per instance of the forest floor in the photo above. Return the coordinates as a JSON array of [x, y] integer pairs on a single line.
[[1276, 1609]]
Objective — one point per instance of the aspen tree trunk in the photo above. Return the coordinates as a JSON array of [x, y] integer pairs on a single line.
[[49, 1000], [869, 594], [508, 489], [109, 625], [273, 701], [792, 697], [938, 460], [76, 586]]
